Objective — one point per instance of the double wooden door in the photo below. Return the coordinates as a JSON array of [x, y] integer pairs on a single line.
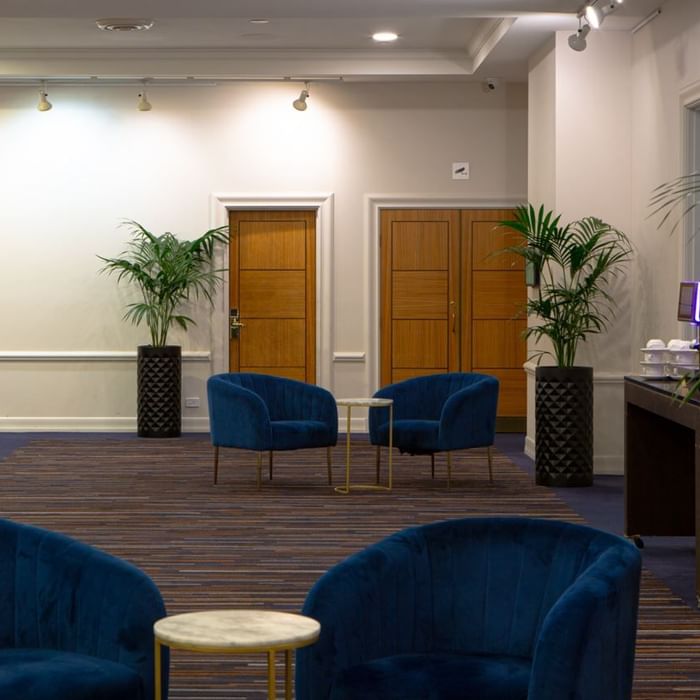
[[272, 293], [449, 304]]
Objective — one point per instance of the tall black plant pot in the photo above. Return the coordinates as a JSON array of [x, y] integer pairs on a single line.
[[159, 372], [564, 426]]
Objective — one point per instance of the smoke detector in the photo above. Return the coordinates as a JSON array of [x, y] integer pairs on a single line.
[[124, 24]]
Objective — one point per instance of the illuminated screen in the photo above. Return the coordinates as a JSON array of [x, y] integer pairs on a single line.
[[688, 307]]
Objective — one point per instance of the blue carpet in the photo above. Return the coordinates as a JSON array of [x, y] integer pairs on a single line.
[[672, 559]]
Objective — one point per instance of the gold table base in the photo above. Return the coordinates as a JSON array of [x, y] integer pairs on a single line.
[[368, 403]]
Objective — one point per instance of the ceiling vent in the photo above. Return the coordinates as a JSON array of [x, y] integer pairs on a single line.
[[124, 24]]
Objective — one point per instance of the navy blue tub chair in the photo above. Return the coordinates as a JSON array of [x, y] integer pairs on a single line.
[[75, 622], [477, 609], [266, 413], [438, 413]]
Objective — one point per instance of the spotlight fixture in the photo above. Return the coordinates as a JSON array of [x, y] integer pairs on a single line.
[[143, 104], [124, 24], [300, 103], [578, 41], [384, 37], [593, 14], [44, 105]]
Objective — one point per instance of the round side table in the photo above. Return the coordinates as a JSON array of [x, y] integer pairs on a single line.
[[366, 403], [237, 632]]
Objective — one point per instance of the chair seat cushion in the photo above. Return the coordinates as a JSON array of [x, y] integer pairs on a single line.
[[413, 436], [298, 434], [46, 674], [436, 676]]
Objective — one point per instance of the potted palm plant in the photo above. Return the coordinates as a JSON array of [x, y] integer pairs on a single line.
[[168, 273], [573, 265]]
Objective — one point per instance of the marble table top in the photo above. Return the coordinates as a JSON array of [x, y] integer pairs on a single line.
[[364, 402], [237, 630]]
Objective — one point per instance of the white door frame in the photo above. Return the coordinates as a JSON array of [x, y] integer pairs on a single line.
[[221, 204]]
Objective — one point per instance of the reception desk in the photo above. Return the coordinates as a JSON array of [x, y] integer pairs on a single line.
[[662, 456]]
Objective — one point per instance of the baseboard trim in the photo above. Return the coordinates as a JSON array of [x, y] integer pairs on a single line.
[[89, 356], [608, 465], [86, 424], [530, 448]]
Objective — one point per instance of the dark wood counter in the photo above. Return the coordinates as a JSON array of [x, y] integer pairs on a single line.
[[662, 456]]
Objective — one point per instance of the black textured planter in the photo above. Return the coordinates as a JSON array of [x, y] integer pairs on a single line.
[[564, 426], [159, 372]]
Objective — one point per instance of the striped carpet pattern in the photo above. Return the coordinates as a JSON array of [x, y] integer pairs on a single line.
[[230, 546]]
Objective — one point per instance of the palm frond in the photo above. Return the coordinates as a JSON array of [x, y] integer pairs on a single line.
[[168, 273], [575, 263]]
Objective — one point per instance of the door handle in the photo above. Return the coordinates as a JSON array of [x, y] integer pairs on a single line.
[[454, 316], [235, 324]]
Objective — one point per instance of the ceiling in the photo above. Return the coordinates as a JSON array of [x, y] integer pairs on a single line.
[[315, 39]]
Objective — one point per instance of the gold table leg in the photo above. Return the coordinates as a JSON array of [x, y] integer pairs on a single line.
[[288, 675], [347, 453], [271, 690], [157, 672]]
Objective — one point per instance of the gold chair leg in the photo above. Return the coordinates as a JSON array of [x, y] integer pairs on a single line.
[[270, 465], [216, 464], [449, 470], [432, 466], [259, 476], [378, 462], [328, 462], [488, 452]]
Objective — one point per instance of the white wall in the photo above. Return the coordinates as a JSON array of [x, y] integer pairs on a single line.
[[666, 76], [70, 175], [582, 167], [618, 133]]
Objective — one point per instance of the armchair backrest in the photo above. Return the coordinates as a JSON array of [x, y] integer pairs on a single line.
[[285, 399], [58, 593], [422, 398], [477, 586]]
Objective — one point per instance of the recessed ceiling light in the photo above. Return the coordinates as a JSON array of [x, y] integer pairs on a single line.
[[124, 24], [259, 21], [385, 36]]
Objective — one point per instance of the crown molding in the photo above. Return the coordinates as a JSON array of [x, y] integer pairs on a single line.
[[232, 64]]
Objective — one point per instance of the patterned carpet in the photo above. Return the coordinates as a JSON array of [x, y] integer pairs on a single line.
[[153, 502]]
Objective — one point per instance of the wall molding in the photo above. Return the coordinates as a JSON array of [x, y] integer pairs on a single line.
[[373, 204], [349, 356], [598, 377], [323, 203], [89, 356], [89, 424]]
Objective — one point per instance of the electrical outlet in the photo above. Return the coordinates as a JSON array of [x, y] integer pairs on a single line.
[[192, 402]]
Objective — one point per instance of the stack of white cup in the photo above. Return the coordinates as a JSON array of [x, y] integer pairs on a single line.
[[654, 363], [682, 359]]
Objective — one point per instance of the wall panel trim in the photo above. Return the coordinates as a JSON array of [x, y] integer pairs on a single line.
[[89, 356]]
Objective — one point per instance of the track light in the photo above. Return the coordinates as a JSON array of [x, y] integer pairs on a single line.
[[578, 41], [593, 14], [44, 105], [143, 105], [300, 103]]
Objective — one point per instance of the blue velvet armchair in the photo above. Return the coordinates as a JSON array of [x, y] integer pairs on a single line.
[[266, 413], [75, 622], [477, 609], [438, 413]]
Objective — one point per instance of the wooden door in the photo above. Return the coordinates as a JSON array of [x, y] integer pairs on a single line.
[[419, 304], [272, 263], [493, 318], [447, 304]]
